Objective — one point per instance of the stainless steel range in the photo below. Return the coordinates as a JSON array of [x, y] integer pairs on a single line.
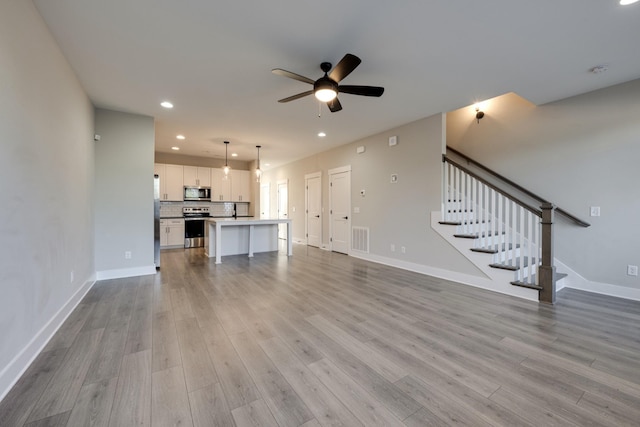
[[194, 217]]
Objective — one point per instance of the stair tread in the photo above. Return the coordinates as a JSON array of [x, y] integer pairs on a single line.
[[513, 267], [463, 223], [520, 283], [526, 285], [493, 249], [476, 235]]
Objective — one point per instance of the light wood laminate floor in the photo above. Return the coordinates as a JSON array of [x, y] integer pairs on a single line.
[[325, 339]]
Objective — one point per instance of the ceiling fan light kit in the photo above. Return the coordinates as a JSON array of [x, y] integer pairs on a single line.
[[326, 88]]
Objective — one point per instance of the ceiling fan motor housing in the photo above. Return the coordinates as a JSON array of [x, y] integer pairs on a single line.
[[325, 83]]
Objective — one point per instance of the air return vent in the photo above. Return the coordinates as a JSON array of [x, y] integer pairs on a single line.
[[360, 239]]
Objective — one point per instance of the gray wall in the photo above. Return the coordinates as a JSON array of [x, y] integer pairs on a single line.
[[46, 187], [124, 194], [579, 152], [395, 213]]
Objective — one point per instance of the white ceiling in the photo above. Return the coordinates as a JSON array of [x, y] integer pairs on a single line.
[[213, 60]]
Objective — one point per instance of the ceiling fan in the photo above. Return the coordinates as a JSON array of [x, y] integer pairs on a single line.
[[326, 88]]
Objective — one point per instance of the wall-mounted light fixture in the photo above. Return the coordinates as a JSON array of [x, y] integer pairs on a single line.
[[258, 170], [479, 114], [226, 164]]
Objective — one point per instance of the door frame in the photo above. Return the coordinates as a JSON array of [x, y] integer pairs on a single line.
[[306, 206], [331, 172], [264, 186], [284, 182]]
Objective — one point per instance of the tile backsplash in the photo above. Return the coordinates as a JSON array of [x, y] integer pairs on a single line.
[[216, 209]]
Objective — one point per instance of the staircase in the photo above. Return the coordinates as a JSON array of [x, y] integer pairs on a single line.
[[506, 237]]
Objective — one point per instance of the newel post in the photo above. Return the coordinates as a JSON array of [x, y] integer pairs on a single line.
[[547, 268]]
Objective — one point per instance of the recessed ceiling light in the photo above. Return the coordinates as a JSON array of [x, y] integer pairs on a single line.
[[180, 137], [626, 2], [322, 134], [166, 104], [234, 154], [175, 148]]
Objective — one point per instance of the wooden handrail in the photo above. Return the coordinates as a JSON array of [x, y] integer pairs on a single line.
[[514, 185]]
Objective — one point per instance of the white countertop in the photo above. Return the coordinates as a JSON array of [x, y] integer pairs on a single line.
[[246, 221]]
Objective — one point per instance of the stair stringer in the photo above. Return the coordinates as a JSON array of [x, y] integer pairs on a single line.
[[497, 280]]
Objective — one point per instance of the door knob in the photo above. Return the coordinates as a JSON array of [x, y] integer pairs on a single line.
[[345, 217], [317, 216]]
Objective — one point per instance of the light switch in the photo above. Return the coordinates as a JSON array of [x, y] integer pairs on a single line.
[[595, 210]]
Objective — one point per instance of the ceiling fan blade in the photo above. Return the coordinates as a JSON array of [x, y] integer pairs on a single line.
[[291, 75], [334, 105], [362, 90], [294, 97], [344, 67]]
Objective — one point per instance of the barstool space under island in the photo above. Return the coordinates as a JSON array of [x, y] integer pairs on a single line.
[[230, 236]]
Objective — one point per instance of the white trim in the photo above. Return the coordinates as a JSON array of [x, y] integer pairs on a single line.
[[126, 272], [313, 175], [336, 171], [341, 169], [576, 281], [454, 276], [11, 373], [307, 177]]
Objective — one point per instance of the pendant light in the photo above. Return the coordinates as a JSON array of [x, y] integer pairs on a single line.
[[258, 171], [226, 164]]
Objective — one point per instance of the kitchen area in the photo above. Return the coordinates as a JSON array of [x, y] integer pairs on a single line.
[[186, 196]]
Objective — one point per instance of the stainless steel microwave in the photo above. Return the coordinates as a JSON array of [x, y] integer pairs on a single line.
[[197, 193]]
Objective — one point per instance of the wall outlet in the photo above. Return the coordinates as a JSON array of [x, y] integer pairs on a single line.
[[127, 255], [403, 250], [632, 270], [595, 210], [393, 247], [393, 140], [394, 178], [356, 210]]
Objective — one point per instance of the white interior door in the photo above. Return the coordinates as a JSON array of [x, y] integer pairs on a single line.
[[283, 207], [313, 188], [340, 202], [265, 211]]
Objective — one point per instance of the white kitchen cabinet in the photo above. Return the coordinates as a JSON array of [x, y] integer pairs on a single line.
[[171, 181], [240, 185], [197, 176], [220, 186], [172, 232]]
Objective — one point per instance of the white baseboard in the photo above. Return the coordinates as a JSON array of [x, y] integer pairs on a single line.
[[11, 373], [576, 281], [465, 279], [126, 272]]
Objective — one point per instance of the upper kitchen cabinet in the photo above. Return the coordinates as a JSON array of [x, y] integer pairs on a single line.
[[240, 185], [221, 186], [171, 181], [197, 176]]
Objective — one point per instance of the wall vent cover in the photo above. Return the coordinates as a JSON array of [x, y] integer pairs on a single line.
[[360, 239]]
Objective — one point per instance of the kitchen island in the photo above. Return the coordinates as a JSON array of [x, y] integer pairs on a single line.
[[236, 236]]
